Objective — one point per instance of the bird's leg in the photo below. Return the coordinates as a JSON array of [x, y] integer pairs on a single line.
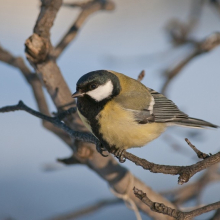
[[119, 153], [100, 148]]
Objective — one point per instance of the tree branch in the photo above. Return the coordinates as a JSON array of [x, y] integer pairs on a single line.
[[202, 47], [184, 172], [88, 210], [200, 154], [161, 208], [88, 8], [141, 75], [33, 80], [216, 216], [82, 136], [194, 189]]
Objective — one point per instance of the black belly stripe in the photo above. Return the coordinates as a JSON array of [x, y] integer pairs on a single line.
[[90, 110]]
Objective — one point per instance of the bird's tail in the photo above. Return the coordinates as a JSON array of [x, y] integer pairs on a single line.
[[194, 123]]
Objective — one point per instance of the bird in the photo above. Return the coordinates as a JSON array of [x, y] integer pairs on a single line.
[[123, 113]]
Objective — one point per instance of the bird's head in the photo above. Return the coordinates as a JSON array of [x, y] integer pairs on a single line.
[[98, 85]]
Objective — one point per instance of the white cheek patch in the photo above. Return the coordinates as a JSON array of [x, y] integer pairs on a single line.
[[102, 92]]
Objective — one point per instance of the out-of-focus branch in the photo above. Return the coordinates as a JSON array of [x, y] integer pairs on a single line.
[[194, 189], [178, 31], [88, 8], [216, 216], [161, 208], [77, 4], [141, 75], [36, 85], [176, 145], [215, 5], [170, 74], [202, 47], [88, 210], [18, 62]]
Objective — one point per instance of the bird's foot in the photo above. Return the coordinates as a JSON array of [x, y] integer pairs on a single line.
[[119, 153], [100, 148]]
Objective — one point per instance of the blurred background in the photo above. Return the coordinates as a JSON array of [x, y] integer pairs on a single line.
[[129, 39]]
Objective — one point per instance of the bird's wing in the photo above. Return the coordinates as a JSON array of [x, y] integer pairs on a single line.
[[164, 110], [155, 108], [148, 106]]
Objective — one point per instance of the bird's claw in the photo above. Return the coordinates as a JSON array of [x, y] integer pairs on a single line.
[[101, 149], [119, 153]]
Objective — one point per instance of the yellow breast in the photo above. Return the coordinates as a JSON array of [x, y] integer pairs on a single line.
[[119, 128]]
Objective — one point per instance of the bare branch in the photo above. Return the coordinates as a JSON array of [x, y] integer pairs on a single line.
[[88, 210], [77, 4], [88, 8], [194, 189], [180, 31], [141, 75], [184, 172], [176, 70], [33, 80], [18, 62], [180, 35], [216, 216], [200, 154], [216, 5], [83, 136], [161, 208], [69, 161], [202, 47]]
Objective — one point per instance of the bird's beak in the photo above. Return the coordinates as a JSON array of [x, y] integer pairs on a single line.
[[77, 94]]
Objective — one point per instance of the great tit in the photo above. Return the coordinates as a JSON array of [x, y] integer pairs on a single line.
[[123, 113]]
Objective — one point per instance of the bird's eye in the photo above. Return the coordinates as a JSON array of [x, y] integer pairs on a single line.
[[93, 86]]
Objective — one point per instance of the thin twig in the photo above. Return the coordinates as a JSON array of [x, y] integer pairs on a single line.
[[176, 70], [216, 6], [141, 75], [180, 31], [88, 210], [216, 216], [88, 8], [83, 136], [206, 45], [199, 153]]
